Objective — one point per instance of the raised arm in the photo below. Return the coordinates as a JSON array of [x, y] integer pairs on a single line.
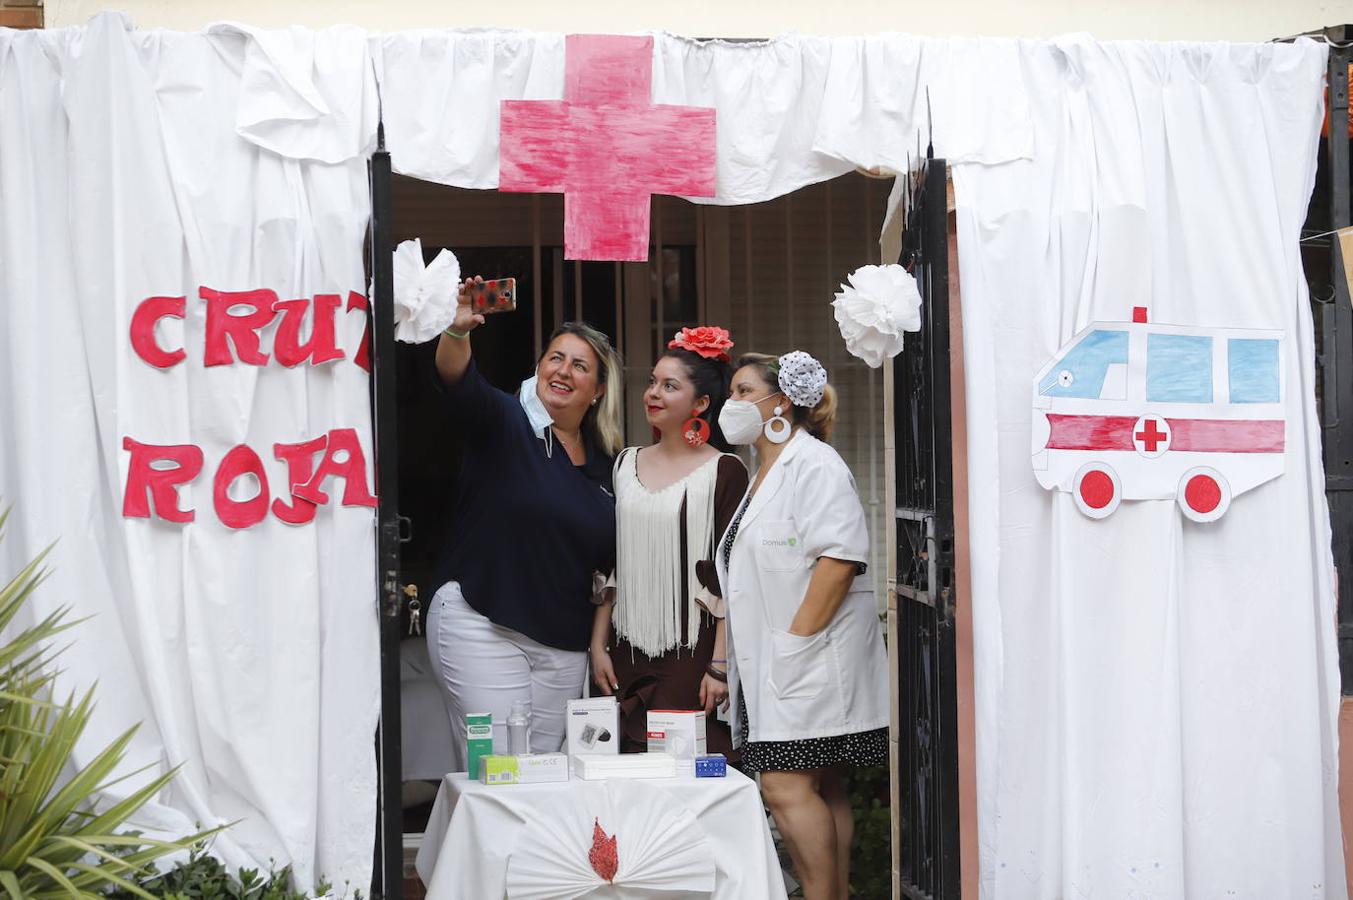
[[453, 347]]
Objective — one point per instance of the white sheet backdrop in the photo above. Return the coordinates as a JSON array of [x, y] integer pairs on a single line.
[[250, 656], [792, 111], [1156, 699]]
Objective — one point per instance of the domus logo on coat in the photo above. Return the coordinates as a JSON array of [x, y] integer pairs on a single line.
[[1141, 411]]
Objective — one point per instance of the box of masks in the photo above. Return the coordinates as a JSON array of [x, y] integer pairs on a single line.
[[680, 732]]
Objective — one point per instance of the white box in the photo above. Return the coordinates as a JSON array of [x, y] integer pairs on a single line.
[[593, 726], [592, 767], [679, 732], [535, 768]]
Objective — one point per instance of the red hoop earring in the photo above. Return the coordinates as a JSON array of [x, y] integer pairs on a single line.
[[696, 430]]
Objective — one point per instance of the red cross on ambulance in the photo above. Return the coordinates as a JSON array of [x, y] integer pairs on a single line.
[[1151, 436], [1143, 411]]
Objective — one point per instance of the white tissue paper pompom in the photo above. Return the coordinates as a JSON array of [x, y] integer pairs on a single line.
[[425, 296], [879, 304]]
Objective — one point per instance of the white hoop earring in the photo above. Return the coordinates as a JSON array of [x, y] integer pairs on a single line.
[[777, 428]]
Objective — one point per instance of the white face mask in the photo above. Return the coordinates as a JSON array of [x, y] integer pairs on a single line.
[[536, 412], [740, 420]]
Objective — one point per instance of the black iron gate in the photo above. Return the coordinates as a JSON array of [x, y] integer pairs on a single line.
[[387, 874], [926, 789]]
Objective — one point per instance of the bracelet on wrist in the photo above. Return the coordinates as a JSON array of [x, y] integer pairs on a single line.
[[716, 674], [458, 335]]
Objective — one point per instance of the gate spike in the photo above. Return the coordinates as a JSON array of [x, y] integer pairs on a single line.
[[930, 125]]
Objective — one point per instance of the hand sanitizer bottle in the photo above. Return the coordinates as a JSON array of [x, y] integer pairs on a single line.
[[519, 728]]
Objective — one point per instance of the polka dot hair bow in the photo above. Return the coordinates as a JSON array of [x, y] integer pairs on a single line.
[[802, 378]]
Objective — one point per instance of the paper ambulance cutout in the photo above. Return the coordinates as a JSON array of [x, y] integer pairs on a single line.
[[1139, 411]]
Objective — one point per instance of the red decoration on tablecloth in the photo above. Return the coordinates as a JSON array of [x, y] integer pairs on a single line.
[[603, 856], [606, 147]]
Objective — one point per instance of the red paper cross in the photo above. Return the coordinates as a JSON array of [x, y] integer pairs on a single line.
[[1151, 436], [606, 147]]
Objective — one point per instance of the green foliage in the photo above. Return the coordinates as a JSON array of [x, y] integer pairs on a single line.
[[204, 878], [54, 840], [871, 857]]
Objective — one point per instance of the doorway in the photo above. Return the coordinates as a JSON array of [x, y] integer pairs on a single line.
[[767, 272]]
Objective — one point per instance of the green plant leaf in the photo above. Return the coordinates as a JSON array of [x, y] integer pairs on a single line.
[[11, 885], [55, 841], [55, 874]]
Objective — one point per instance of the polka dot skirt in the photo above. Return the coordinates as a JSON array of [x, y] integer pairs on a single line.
[[862, 748]]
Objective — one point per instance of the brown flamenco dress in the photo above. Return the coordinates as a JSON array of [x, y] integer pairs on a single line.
[[659, 658]]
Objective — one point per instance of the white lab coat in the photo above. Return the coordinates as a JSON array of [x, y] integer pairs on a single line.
[[834, 682]]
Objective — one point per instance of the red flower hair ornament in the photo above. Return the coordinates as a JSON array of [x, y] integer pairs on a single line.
[[709, 341]]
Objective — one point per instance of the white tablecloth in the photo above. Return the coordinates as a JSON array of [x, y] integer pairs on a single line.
[[474, 828]]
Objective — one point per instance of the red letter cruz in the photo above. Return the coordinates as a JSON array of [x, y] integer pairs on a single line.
[[150, 311], [321, 348], [161, 483], [240, 513], [300, 460], [352, 468], [363, 355], [242, 330]]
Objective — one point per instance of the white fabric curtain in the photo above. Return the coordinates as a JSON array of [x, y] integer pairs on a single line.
[[791, 111], [142, 164], [1156, 699]]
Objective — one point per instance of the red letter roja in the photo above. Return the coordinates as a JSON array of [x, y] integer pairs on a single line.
[[240, 513], [300, 460], [156, 471], [162, 484], [342, 457]]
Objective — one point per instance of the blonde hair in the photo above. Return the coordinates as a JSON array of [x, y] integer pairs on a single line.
[[818, 420], [603, 421]]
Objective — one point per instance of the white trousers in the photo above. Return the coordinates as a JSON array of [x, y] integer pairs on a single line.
[[483, 667]]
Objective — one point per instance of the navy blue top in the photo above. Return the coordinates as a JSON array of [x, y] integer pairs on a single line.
[[528, 530]]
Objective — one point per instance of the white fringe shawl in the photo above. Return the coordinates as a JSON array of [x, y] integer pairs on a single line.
[[649, 569]]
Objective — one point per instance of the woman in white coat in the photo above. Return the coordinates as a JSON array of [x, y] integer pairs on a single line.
[[806, 660]]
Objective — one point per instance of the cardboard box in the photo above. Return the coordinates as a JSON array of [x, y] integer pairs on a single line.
[[679, 732], [478, 740], [712, 766], [593, 726], [536, 768]]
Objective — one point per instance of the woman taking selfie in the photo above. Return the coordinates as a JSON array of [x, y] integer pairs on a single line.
[[660, 643], [807, 662], [534, 519]]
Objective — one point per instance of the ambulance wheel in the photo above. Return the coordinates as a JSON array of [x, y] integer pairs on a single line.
[[1204, 494], [1097, 490]]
